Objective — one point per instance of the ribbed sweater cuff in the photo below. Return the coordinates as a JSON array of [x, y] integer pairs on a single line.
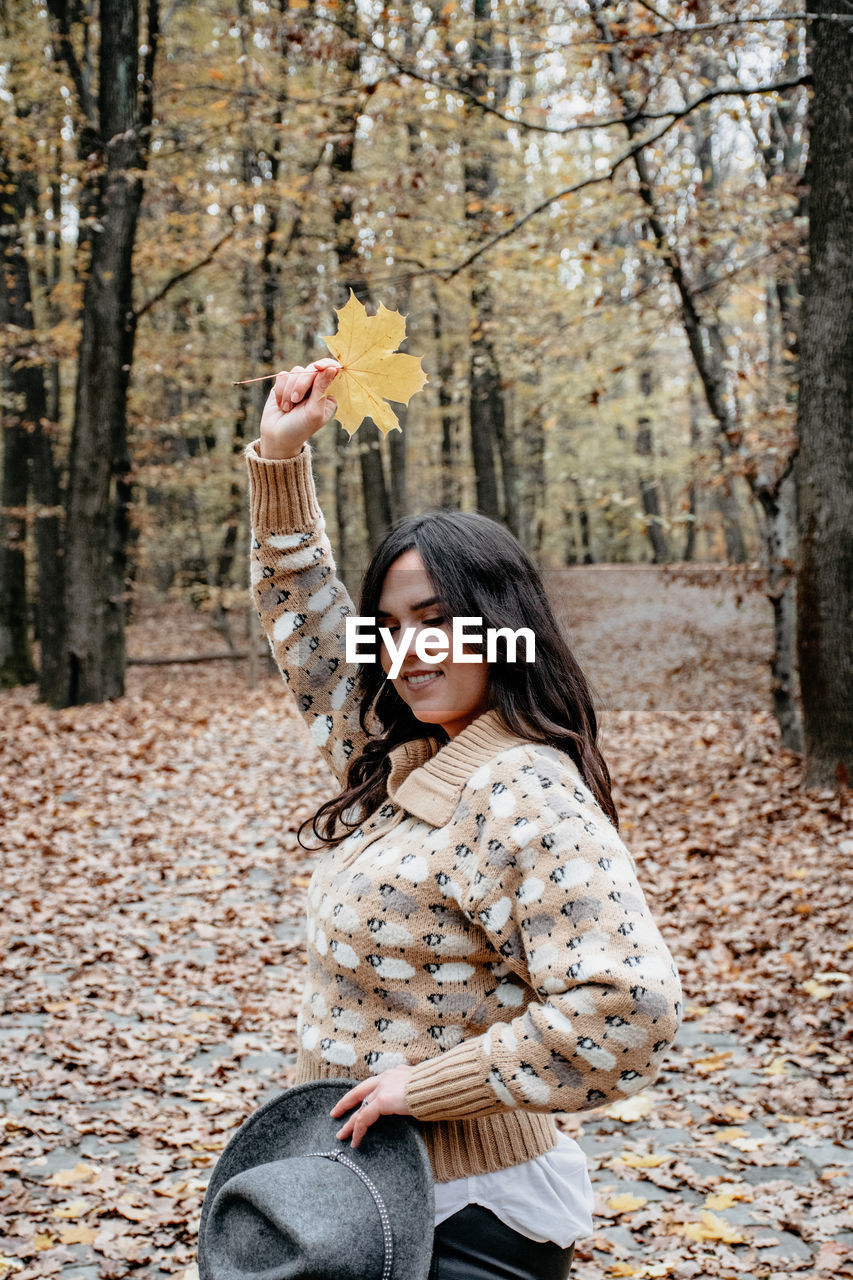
[[451, 1087], [282, 498]]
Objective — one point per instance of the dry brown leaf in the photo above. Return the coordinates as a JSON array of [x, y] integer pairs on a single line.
[[78, 1235], [81, 1172]]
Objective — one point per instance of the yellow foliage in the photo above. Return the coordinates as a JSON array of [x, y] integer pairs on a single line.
[[631, 1109], [635, 1161], [710, 1228], [74, 1209], [627, 1203], [372, 370]]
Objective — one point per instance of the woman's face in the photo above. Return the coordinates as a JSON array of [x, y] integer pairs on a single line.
[[447, 693]]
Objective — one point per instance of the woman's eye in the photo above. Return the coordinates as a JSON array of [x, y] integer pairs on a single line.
[[435, 622]]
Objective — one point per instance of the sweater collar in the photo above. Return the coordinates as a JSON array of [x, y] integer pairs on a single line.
[[427, 777]]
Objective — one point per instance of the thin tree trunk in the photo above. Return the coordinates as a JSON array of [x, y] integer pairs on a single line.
[[250, 398], [18, 389], [649, 494], [779, 507], [16, 660], [450, 488], [586, 556], [689, 552], [487, 409], [824, 466], [98, 497], [377, 504]]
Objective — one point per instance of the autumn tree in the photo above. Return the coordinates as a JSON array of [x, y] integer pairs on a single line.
[[824, 468]]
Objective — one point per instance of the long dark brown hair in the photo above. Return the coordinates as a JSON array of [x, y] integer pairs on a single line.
[[478, 569]]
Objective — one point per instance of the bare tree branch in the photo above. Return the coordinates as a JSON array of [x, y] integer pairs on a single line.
[[184, 275], [63, 50], [629, 154], [633, 117]]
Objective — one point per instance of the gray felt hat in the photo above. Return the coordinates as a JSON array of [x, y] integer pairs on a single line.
[[288, 1200]]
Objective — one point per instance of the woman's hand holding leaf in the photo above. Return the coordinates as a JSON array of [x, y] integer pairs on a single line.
[[296, 408]]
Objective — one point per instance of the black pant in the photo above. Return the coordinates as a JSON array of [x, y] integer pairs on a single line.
[[474, 1244]]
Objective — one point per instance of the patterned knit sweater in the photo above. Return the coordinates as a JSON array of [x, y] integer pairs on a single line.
[[484, 923]]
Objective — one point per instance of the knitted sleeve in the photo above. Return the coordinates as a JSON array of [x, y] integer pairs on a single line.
[[302, 603], [558, 899]]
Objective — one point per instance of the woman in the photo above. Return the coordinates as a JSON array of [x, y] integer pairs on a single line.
[[480, 953]]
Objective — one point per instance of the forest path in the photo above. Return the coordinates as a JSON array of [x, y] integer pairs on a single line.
[[151, 935]]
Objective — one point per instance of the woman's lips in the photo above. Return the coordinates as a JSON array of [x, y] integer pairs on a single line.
[[422, 680]]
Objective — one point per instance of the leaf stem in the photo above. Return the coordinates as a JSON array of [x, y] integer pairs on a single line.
[[246, 381]]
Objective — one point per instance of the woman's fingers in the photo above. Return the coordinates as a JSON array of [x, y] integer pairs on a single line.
[[365, 1114], [384, 1095], [298, 399], [353, 1098]]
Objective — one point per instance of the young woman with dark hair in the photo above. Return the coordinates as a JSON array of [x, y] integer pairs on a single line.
[[480, 952]]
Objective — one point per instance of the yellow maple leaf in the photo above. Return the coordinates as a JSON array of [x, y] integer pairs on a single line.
[[727, 1195], [372, 371], [715, 1062], [711, 1228], [627, 1203], [635, 1161]]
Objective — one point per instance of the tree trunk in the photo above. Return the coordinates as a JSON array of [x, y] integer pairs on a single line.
[[377, 504], [487, 409], [779, 508], [258, 321], [18, 389], [824, 466], [649, 494], [97, 502], [689, 552], [16, 660], [450, 488]]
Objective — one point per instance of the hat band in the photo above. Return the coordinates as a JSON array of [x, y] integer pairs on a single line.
[[387, 1238]]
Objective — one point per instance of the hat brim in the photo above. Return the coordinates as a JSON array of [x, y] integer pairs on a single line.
[[392, 1153]]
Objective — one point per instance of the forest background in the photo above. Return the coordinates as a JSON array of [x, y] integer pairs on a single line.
[[597, 218], [623, 237]]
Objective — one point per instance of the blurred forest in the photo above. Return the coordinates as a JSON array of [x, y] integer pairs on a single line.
[[596, 217]]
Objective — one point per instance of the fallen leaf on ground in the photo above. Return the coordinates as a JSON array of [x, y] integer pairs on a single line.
[[78, 1235], [710, 1227], [627, 1202], [67, 1177], [631, 1109], [635, 1161]]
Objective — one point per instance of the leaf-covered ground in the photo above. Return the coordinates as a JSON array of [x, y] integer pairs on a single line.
[[151, 924]]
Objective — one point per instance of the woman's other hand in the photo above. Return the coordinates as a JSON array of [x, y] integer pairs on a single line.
[[382, 1095], [297, 407]]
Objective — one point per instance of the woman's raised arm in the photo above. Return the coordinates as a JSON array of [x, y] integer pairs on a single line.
[[301, 601]]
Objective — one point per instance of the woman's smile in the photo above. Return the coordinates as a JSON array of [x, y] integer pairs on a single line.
[[420, 679]]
